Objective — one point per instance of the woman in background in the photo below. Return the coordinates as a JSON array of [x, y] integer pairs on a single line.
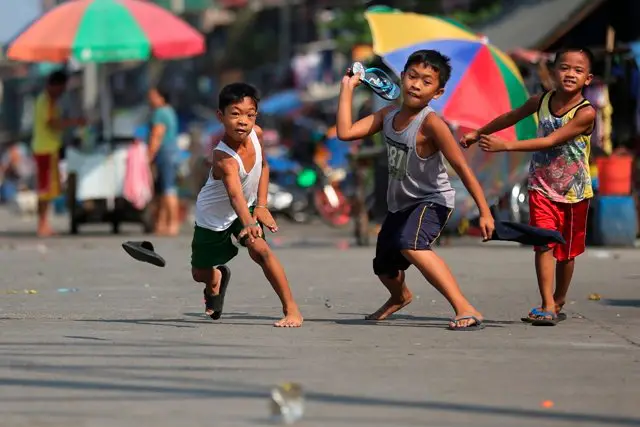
[[163, 154]]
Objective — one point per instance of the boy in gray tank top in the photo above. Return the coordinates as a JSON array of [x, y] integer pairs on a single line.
[[419, 196]]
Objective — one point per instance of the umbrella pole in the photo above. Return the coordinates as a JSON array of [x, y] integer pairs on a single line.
[[105, 102]]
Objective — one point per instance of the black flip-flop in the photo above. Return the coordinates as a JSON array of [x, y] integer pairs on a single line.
[[144, 252], [216, 302], [476, 326]]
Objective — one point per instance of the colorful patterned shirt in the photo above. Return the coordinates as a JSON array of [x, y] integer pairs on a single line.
[[561, 173]]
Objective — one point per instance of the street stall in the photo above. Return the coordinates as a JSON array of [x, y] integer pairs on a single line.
[[98, 33]]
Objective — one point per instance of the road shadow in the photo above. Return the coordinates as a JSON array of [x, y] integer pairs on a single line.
[[31, 235], [216, 390], [622, 302], [400, 320]]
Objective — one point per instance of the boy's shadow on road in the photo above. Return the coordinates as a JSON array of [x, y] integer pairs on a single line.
[[397, 320]]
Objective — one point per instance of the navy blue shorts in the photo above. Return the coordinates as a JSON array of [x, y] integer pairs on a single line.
[[415, 228]]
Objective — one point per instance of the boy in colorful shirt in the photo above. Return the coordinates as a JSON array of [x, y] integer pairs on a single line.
[[559, 179]]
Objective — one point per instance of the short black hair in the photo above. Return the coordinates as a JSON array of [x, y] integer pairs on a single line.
[[236, 92], [433, 59], [57, 78], [164, 93], [583, 50]]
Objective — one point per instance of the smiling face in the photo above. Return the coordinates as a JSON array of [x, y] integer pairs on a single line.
[[239, 118], [572, 72], [420, 84]]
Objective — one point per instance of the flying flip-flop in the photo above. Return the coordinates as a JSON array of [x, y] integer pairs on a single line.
[[377, 80], [144, 252]]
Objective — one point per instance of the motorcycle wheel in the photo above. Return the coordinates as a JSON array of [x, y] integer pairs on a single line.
[[335, 216]]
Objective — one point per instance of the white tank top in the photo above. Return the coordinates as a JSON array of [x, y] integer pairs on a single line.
[[213, 208]]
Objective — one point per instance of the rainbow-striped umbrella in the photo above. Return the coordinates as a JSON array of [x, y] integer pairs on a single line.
[[484, 82], [106, 31]]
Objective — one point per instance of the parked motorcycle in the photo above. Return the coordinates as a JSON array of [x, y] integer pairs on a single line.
[[293, 203]]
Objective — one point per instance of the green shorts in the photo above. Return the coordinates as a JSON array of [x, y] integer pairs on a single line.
[[212, 248]]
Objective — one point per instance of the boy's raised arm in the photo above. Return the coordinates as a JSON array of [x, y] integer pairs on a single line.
[[582, 123], [504, 121], [367, 126]]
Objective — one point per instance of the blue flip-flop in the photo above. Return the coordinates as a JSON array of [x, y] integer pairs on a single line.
[[378, 81], [476, 326], [546, 318], [537, 311]]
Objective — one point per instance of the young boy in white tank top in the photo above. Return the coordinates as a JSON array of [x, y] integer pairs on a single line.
[[419, 197], [233, 202]]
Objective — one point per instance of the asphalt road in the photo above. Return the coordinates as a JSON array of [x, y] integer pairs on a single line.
[[131, 346]]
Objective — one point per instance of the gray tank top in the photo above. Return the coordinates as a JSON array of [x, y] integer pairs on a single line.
[[412, 179]]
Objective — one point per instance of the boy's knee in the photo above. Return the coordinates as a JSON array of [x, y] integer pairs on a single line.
[[259, 251], [200, 275], [383, 270]]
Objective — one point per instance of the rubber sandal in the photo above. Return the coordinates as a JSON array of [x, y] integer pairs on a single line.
[[538, 312], [378, 81], [478, 325], [144, 252], [216, 302], [544, 321]]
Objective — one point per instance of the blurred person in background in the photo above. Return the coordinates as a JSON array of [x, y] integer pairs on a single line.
[[17, 170], [163, 155], [48, 128]]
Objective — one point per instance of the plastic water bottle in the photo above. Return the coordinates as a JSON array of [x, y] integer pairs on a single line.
[[287, 403], [67, 290]]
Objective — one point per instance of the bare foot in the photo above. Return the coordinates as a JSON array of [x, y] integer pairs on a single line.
[[392, 305], [292, 320], [466, 320], [46, 232], [172, 232], [533, 316]]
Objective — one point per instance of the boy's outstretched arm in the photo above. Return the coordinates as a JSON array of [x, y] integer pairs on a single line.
[[504, 121], [227, 167], [434, 127], [581, 123], [261, 212], [367, 126]]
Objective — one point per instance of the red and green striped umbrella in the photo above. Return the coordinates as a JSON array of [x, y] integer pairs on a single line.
[[106, 31]]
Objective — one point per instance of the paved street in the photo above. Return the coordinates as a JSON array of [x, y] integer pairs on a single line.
[[132, 348]]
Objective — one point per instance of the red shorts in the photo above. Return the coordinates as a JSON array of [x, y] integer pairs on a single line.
[[48, 176], [570, 219]]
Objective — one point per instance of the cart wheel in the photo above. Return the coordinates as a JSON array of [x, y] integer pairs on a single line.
[[147, 228], [72, 204], [146, 218], [73, 224]]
